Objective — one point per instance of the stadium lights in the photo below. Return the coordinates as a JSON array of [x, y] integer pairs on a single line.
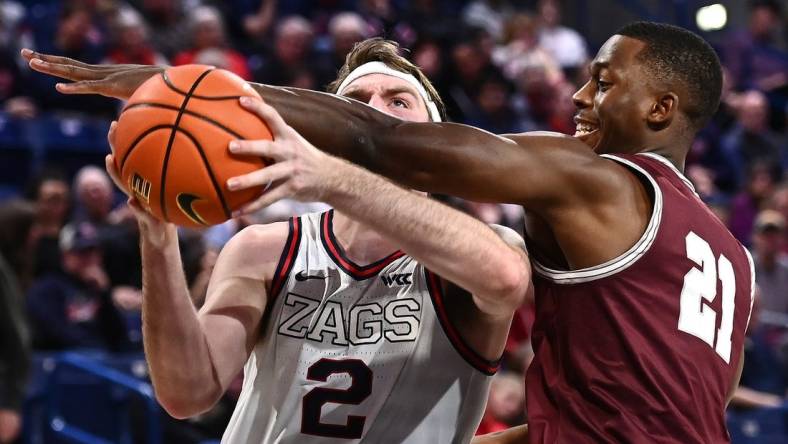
[[712, 17]]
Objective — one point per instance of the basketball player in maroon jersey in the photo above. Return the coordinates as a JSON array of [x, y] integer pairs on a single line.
[[643, 296]]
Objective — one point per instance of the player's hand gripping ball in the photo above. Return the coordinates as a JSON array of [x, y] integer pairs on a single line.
[[171, 145]]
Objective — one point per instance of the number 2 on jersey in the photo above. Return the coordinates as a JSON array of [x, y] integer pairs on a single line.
[[697, 318], [360, 388]]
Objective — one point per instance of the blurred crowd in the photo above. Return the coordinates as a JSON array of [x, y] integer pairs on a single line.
[[70, 274]]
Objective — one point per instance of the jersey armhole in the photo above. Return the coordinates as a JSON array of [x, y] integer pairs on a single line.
[[287, 259], [470, 356]]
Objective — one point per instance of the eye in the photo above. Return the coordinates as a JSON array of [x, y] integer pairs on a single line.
[[602, 85], [401, 103]]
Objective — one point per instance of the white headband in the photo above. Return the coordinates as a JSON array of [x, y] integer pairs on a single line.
[[382, 68]]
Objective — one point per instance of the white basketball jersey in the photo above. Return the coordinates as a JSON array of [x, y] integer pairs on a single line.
[[354, 353]]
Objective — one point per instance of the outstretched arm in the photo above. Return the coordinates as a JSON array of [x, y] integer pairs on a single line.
[[538, 170]]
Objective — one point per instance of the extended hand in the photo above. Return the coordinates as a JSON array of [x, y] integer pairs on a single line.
[[300, 171], [156, 230], [118, 81]]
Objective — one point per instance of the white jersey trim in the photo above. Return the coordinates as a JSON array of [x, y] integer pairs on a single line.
[[667, 163], [623, 261], [752, 283]]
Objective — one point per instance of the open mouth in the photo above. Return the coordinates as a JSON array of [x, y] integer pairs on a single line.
[[585, 131]]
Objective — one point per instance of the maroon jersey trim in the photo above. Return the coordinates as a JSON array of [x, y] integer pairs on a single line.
[[286, 261], [340, 258], [623, 261], [470, 356]]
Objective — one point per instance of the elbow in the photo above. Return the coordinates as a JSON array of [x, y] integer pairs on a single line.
[[511, 282], [186, 403]]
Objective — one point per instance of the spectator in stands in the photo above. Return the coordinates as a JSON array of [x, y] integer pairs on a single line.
[[470, 67], [771, 264], [490, 15], [505, 403], [565, 45], [522, 55], [289, 64], [13, 88], [78, 37], [753, 56], [257, 24], [49, 192], [493, 108], [763, 380], [761, 179], [209, 44], [168, 25], [94, 195], [131, 42], [750, 139], [16, 218], [345, 30], [779, 202], [73, 309]]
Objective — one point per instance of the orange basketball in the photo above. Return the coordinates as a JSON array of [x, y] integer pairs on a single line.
[[171, 144]]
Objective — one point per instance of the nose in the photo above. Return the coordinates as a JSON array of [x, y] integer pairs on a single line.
[[377, 102], [583, 98]]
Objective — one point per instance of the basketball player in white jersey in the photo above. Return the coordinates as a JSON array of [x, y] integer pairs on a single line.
[[379, 322]]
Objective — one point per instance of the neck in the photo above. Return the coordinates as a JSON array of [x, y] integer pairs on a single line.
[[362, 244], [674, 148]]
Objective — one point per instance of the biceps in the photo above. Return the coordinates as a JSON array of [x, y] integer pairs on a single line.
[[231, 321], [446, 158]]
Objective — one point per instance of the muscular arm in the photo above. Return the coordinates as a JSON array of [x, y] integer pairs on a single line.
[[194, 356], [444, 240], [534, 170]]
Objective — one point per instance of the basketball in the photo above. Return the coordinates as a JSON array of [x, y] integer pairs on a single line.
[[171, 144]]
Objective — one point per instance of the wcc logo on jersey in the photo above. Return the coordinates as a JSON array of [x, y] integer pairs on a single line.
[[398, 279], [395, 320]]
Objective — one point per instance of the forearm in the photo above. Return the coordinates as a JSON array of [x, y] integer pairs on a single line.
[[446, 241], [435, 157], [175, 344]]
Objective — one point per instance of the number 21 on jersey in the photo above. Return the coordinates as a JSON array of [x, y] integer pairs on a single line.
[[700, 283]]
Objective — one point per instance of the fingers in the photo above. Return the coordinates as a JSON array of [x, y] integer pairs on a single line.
[[111, 136], [262, 177], [269, 197], [260, 148], [29, 55], [271, 117], [86, 87], [67, 71], [109, 163]]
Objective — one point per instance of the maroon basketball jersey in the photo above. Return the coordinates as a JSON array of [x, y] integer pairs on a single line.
[[643, 348]]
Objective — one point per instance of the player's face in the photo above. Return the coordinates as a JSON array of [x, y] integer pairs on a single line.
[[613, 104], [390, 95]]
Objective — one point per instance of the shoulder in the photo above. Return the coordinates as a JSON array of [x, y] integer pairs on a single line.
[[257, 245]]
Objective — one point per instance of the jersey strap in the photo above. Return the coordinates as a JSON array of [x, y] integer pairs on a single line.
[[476, 361], [287, 259], [337, 253]]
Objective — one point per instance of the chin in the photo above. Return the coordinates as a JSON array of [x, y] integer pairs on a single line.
[[591, 139]]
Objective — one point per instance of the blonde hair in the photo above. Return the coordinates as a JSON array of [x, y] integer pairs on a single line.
[[385, 51]]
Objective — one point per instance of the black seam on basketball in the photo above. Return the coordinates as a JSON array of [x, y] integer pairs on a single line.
[[137, 141], [191, 113], [185, 102], [169, 84], [215, 184]]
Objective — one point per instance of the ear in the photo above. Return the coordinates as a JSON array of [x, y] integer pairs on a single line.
[[663, 111]]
